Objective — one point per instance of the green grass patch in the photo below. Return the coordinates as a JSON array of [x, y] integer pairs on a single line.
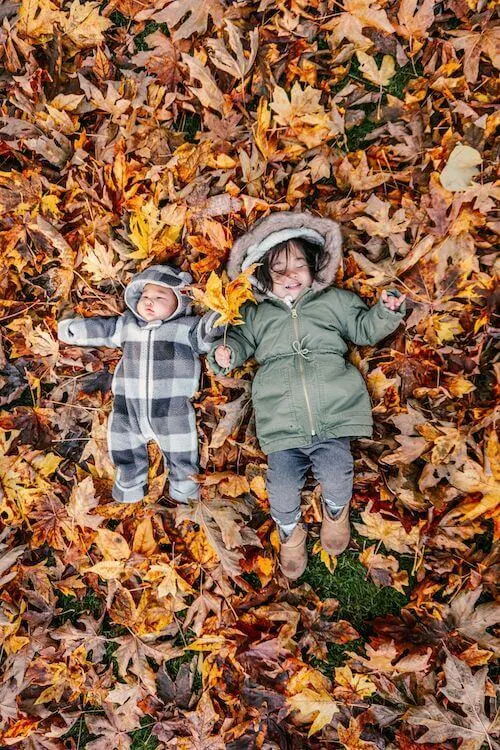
[[72, 607], [142, 739], [360, 601], [149, 28]]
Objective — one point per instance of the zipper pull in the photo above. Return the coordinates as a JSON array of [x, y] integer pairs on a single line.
[[294, 313]]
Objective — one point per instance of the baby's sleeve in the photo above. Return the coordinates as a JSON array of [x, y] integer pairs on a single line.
[[203, 335], [96, 331], [367, 325]]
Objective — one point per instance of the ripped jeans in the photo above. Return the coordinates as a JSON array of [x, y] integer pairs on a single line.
[[332, 466]]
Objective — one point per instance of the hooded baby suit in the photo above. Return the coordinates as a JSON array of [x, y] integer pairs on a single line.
[[153, 384]]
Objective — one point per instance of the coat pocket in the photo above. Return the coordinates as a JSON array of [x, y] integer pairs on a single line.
[[274, 405], [341, 391]]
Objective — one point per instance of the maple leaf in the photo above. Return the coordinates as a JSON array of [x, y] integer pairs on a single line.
[[200, 725], [81, 502], [381, 225], [313, 706], [415, 20], [304, 115], [350, 737], [222, 526], [466, 690], [37, 19], [390, 533], [72, 637], [381, 659], [227, 302], [384, 571], [209, 93], [352, 687], [84, 26], [474, 43], [358, 15], [101, 264], [473, 623], [360, 177], [149, 233], [470, 478], [241, 64], [197, 15], [368, 67]]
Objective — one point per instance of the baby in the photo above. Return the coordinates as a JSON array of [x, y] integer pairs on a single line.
[[154, 381], [309, 401]]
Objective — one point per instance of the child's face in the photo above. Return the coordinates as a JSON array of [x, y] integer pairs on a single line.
[[290, 275], [156, 302]]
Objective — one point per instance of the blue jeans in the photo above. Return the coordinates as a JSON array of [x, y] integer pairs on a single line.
[[332, 466]]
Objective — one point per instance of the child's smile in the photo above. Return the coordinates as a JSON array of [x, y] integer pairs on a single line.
[[290, 274]]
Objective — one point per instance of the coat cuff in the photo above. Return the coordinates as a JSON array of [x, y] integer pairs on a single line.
[[384, 311], [217, 369]]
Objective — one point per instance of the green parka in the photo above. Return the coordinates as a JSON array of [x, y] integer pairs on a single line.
[[304, 386]]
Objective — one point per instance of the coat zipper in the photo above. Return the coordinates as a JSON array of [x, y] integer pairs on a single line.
[[302, 375], [148, 380]]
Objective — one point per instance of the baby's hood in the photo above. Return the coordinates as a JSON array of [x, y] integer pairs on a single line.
[[167, 276], [287, 225]]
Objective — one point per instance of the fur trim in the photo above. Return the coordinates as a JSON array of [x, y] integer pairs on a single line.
[[271, 230]]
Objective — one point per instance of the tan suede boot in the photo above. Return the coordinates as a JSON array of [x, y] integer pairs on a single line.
[[335, 533], [293, 553]]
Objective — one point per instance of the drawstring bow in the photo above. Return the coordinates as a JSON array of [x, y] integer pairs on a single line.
[[299, 348]]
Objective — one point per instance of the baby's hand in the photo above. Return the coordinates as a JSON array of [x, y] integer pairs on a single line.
[[223, 356], [392, 300]]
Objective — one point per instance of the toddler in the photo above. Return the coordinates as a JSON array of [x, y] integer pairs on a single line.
[[154, 381], [309, 401]]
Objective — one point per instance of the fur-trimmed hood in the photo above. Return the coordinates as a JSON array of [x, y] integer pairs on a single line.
[[167, 276], [286, 225]]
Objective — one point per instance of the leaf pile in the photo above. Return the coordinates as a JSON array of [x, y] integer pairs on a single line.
[[145, 132]]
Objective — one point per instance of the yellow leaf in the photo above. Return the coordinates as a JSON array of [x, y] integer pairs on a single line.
[[329, 560], [112, 545], [258, 487], [391, 533], [149, 233], [108, 569], [227, 302], [379, 76], [460, 168], [318, 707], [304, 115], [144, 542], [446, 328], [359, 684], [37, 18], [84, 25], [99, 263]]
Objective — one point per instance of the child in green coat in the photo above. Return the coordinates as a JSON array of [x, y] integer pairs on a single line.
[[309, 401]]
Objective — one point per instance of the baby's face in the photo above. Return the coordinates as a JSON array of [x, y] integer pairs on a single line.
[[290, 275], [156, 302]]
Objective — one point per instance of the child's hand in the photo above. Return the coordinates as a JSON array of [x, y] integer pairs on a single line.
[[223, 356], [392, 300]]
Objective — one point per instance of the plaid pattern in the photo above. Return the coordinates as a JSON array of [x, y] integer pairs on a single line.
[[153, 385]]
